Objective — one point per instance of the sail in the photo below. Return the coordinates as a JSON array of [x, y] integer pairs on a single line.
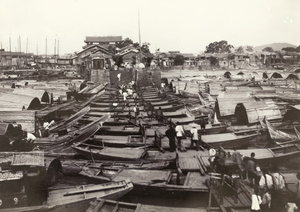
[[277, 135]]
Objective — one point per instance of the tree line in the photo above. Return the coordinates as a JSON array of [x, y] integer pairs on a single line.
[[215, 47]]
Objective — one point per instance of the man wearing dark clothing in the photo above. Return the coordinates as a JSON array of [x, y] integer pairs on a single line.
[[202, 124], [160, 116], [251, 169], [150, 111], [171, 134], [171, 85]]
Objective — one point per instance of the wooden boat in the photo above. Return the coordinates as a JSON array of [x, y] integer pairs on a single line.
[[110, 205], [120, 130], [73, 167], [152, 182], [267, 157], [209, 128], [235, 139], [95, 112], [80, 135], [172, 114], [79, 198], [188, 94], [95, 152], [131, 102], [165, 108], [117, 121], [88, 192], [122, 141], [278, 135], [164, 102], [153, 137], [69, 121], [109, 153]]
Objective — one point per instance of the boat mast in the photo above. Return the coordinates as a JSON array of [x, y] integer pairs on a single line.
[[58, 48], [46, 51], [1, 55], [54, 48], [19, 52], [27, 51], [37, 54], [140, 39], [10, 53]]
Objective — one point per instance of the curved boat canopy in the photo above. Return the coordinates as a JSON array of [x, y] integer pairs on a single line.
[[252, 112]]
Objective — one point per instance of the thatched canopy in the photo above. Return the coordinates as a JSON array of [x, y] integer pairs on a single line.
[[6, 128], [297, 70], [293, 114], [292, 77], [265, 75], [276, 75], [225, 107], [253, 112], [227, 74], [43, 96], [17, 102]]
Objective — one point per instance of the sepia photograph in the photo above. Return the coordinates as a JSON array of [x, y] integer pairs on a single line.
[[150, 106]]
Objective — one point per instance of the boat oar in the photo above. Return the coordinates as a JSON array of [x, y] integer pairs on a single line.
[[93, 190]]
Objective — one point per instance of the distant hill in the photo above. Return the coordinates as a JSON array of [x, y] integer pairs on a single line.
[[275, 46]]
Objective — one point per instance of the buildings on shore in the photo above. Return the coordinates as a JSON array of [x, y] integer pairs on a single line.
[[101, 52]]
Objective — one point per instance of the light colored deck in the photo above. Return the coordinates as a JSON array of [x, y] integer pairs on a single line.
[[143, 176]]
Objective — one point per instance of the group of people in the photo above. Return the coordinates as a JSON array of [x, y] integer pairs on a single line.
[[270, 192], [176, 133], [17, 140]]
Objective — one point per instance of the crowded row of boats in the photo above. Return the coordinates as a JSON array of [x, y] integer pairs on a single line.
[[115, 143]]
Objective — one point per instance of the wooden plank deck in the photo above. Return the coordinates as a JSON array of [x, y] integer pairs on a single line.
[[228, 202], [189, 164], [194, 179], [143, 176]]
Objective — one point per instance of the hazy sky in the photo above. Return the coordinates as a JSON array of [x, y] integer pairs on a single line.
[[184, 25]]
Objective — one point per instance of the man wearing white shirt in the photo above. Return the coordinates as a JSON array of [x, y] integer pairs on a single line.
[[195, 137], [179, 133], [125, 94], [255, 201]]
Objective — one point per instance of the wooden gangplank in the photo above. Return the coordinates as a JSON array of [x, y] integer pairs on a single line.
[[227, 200]]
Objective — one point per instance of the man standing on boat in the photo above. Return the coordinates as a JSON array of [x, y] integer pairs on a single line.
[[202, 124], [255, 201], [251, 168], [195, 137], [135, 97], [179, 134], [160, 116], [171, 134], [150, 111], [136, 111]]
